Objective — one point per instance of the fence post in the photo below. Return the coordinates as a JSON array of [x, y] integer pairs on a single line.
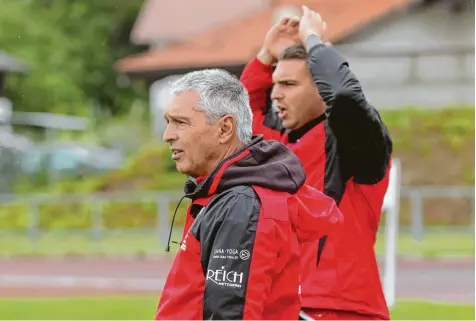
[[97, 226], [472, 211], [33, 220], [417, 214], [163, 222], [413, 68]]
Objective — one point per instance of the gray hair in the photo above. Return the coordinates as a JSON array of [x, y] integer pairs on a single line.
[[220, 93]]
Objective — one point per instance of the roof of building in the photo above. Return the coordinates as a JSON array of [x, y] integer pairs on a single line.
[[238, 40], [161, 20]]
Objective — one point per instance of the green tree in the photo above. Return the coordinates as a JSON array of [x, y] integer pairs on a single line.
[[70, 47]]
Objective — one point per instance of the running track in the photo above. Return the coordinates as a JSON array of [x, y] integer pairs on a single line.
[[445, 281]]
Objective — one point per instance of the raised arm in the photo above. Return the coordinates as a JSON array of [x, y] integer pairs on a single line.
[[363, 138], [257, 77], [238, 278]]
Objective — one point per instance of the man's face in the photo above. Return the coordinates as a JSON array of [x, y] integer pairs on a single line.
[[193, 141], [295, 93]]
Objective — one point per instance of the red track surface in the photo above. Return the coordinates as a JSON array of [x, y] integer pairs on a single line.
[[432, 280]]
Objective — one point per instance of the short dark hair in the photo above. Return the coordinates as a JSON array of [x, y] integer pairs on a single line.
[[297, 51]]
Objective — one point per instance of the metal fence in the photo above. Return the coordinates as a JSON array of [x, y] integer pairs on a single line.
[[416, 196], [96, 230]]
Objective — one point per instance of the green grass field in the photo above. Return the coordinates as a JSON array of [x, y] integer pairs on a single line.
[[143, 308], [434, 244]]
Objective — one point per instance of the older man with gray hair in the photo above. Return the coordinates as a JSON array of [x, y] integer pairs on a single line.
[[239, 254]]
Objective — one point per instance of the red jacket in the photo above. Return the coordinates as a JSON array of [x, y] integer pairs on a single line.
[[239, 258], [346, 154]]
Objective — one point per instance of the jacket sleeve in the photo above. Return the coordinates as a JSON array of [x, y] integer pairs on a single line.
[[363, 139], [315, 209], [257, 79], [234, 289]]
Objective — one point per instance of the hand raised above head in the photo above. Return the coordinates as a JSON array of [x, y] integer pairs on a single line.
[[311, 23], [282, 35]]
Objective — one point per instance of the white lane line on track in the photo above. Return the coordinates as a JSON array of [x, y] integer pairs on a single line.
[[116, 283]]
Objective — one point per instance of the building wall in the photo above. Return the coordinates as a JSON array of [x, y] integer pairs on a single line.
[[419, 57], [160, 96]]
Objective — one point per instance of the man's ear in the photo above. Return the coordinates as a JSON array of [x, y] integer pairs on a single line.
[[226, 128]]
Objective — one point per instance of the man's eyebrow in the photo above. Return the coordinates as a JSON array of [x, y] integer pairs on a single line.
[[281, 81], [176, 117]]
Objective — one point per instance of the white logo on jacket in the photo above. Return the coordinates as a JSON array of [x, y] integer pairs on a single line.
[[245, 255], [223, 277], [231, 254]]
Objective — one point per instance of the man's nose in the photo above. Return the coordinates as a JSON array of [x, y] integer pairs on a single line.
[[276, 93], [169, 134]]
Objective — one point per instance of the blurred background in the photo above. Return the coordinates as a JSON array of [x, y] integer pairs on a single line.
[[87, 188]]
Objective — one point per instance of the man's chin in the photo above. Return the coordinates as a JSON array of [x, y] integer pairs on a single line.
[[182, 168], [288, 124]]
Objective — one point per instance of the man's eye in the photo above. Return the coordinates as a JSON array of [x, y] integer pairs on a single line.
[[180, 123]]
